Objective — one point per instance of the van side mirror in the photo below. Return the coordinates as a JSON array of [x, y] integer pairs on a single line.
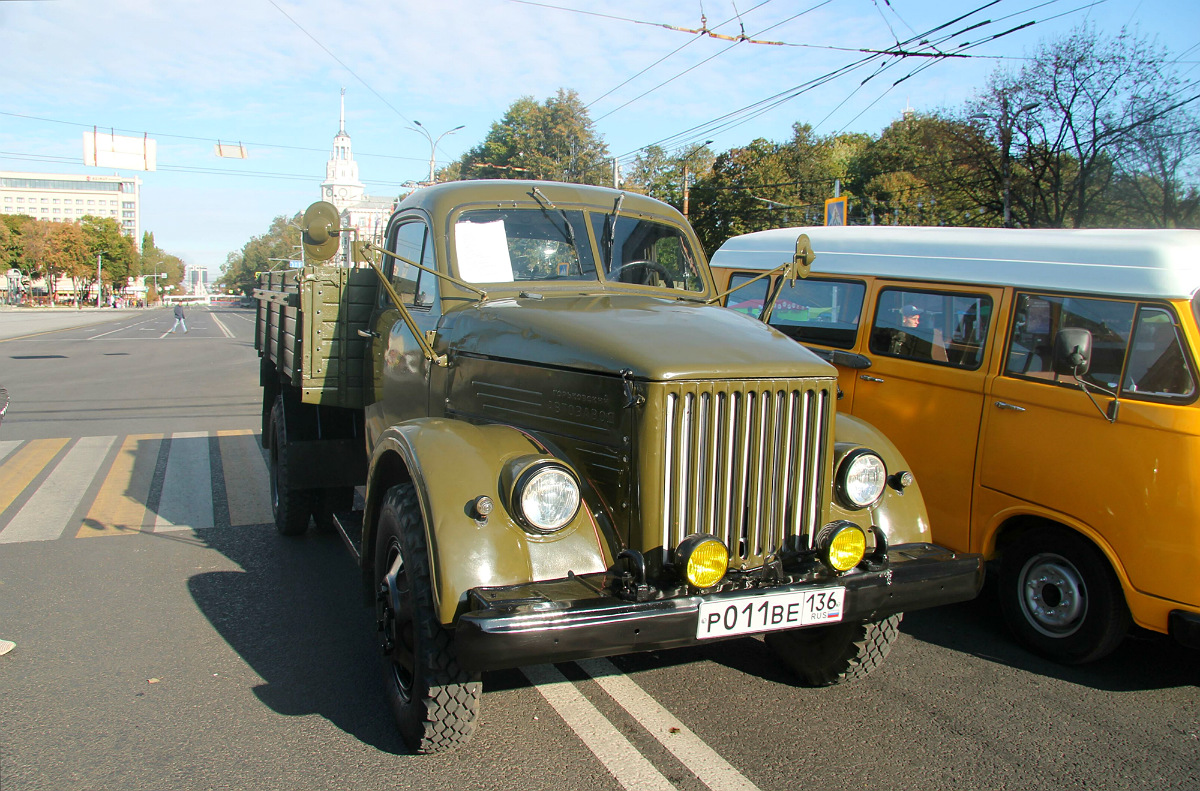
[[1072, 352]]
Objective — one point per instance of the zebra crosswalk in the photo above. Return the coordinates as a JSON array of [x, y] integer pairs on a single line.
[[89, 487]]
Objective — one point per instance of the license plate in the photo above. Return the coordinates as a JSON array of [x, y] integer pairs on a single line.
[[769, 612]]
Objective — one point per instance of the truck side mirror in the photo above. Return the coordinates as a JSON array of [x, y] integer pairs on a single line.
[[1072, 352]]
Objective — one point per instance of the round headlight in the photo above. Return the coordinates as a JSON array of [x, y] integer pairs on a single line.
[[547, 497], [843, 546], [702, 559], [861, 477]]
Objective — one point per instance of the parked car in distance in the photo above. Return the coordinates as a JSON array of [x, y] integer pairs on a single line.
[[1043, 386]]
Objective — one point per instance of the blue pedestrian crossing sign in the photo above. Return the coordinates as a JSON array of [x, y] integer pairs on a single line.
[[835, 211]]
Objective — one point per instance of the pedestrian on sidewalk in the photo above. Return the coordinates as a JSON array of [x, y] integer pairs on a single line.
[[179, 322]]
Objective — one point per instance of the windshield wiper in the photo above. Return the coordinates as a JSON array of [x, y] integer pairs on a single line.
[[569, 233], [612, 231]]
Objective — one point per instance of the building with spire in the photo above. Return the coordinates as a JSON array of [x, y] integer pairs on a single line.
[[368, 216]]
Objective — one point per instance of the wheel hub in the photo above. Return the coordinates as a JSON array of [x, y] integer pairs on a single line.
[[1053, 595], [395, 625]]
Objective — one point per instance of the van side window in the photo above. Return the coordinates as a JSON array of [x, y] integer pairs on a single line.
[[750, 299], [1157, 366], [820, 311], [1038, 318], [940, 327]]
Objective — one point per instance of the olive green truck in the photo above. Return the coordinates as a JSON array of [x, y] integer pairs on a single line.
[[544, 440]]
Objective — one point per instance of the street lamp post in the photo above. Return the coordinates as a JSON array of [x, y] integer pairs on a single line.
[[432, 142], [99, 282], [1004, 127]]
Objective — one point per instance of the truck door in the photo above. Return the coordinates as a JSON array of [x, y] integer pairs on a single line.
[[925, 390], [400, 371]]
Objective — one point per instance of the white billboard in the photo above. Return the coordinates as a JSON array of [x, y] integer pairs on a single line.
[[106, 150]]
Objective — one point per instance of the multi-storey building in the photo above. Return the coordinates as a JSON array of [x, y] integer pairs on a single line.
[[65, 198]]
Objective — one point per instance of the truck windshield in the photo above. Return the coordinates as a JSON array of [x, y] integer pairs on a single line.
[[646, 253], [521, 244]]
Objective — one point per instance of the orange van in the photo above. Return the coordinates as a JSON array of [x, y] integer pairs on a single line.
[[1043, 386]]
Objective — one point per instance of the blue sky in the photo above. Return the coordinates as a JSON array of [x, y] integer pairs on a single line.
[[267, 73]]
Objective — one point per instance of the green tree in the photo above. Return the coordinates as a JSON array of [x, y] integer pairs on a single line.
[[554, 140], [771, 185], [240, 270], [660, 175], [119, 253], [925, 170], [160, 268]]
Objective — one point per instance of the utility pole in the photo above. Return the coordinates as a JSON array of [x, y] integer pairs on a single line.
[[686, 160]]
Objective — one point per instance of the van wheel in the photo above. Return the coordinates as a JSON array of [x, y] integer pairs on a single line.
[[1060, 598], [434, 701], [290, 507], [822, 656]]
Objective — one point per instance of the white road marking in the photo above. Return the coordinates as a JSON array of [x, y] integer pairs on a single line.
[[631, 769], [49, 510], [187, 492], [221, 325], [700, 759], [126, 327]]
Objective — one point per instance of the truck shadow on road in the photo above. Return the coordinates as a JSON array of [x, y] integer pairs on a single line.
[[294, 613]]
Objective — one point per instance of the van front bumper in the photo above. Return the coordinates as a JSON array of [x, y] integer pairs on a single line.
[[574, 618]]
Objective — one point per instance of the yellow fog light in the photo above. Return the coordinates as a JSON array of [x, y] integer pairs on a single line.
[[703, 560], [843, 546]]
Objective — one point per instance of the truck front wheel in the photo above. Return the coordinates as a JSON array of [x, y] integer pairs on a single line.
[[290, 507], [434, 701], [822, 656], [1060, 598]]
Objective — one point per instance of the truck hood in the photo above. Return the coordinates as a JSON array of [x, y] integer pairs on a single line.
[[657, 339]]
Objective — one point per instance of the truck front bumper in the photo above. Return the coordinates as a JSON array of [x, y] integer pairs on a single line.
[[569, 619]]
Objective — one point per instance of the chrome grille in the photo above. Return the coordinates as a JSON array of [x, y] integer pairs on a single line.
[[744, 461]]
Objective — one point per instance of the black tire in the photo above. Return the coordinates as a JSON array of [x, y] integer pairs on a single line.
[[291, 507], [327, 502], [1060, 598], [434, 701], [822, 656]]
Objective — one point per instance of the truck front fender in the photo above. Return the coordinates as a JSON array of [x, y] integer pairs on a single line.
[[900, 513], [451, 464]]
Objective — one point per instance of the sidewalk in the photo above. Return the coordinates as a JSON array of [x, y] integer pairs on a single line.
[[18, 321]]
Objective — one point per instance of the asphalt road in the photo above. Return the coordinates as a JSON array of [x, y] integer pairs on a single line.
[[167, 637]]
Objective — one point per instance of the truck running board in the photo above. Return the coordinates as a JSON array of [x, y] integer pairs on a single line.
[[349, 525]]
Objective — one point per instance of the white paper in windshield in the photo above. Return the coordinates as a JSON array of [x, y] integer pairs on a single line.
[[482, 249]]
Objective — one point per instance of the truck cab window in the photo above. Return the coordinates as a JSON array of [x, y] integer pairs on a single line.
[[409, 241], [646, 253]]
